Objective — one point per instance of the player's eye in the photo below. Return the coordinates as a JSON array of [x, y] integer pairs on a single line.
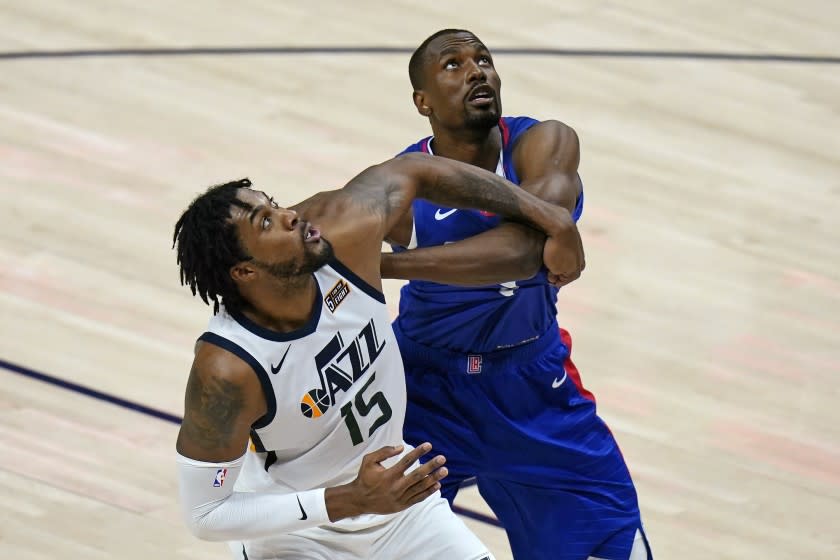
[[266, 222], [485, 60], [450, 65]]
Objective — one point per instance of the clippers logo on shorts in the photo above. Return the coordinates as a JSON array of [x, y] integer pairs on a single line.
[[220, 478], [336, 295], [339, 366], [474, 363]]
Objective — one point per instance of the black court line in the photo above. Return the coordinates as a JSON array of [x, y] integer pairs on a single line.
[[155, 413], [351, 50]]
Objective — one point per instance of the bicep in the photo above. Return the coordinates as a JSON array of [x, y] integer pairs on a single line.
[[562, 189], [547, 158], [220, 407]]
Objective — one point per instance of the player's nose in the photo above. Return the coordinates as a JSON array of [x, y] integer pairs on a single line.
[[289, 218], [475, 72]]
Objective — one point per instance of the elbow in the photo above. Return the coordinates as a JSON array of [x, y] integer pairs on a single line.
[[204, 533], [202, 528]]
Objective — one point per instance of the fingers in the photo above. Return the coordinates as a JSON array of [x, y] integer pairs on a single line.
[[425, 479], [392, 490], [424, 486], [558, 281], [411, 457], [383, 453], [422, 478], [425, 471]]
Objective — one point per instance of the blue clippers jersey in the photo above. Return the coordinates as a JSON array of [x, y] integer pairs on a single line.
[[478, 319]]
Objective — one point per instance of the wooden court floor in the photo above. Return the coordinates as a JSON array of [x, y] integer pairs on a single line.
[[707, 322]]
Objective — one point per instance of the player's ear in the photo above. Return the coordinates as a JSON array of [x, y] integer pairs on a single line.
[[420, 102], [243, 272]]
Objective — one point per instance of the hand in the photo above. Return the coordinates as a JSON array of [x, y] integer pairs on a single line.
[[381, 490], [564, 264]]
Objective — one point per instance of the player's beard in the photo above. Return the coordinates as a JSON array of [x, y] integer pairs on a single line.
[[484, 119], [311, 261]]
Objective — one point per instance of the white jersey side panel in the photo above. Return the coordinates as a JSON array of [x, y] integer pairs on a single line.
[[335, 388]]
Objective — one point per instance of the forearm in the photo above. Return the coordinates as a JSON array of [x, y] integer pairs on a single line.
[[458, 185], [213, 511], [467, 186], [508, 252]]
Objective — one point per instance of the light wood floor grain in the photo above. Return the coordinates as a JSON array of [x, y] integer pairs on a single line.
[[707, 322]]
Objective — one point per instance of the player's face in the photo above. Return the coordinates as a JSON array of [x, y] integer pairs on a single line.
[[281, 244], [461, 87]]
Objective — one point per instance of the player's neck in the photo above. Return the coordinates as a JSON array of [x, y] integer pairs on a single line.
[[283, 307], [479, 148]]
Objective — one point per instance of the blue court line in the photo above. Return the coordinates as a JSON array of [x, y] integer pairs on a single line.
[[475, 515], [161, 415], [87, 391], [352, 50]]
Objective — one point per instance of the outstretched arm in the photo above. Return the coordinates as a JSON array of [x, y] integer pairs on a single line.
[[546, 158], [358, 217], [390, 188]]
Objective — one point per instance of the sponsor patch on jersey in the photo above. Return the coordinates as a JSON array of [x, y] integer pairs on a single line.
[[219, 481], [474, 363], [336, 295]]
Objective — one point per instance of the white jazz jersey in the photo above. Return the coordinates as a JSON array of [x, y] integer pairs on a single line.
[[335, 389]]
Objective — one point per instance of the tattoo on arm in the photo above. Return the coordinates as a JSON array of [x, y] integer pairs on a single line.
[[469, 189], [213, 406], [377, 193], [456, 185]]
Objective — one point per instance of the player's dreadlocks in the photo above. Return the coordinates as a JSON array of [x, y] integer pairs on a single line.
[[208, 245]]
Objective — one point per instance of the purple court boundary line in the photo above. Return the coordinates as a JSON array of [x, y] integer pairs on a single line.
[[166, 416]]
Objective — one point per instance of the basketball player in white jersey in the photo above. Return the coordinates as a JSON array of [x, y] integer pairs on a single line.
[[300, 358]]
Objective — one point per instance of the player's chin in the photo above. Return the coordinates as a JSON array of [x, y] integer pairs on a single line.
[[483, 116], [322, 249]]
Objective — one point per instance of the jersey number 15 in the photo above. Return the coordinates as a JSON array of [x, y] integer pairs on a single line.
[[365, 407]]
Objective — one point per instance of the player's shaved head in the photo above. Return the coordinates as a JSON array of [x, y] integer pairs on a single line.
[[417, 62]]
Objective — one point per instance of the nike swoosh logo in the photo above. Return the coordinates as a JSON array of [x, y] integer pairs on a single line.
[[443, 215], [556, 383], [276, 369], [303, 515]]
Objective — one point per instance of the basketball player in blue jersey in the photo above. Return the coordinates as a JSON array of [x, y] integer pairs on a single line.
[[330, 476], [489, 375]]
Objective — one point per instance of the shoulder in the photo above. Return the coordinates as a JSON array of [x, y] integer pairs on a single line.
[[214, 363], [553, 131], [549, 148], [549, 138]]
